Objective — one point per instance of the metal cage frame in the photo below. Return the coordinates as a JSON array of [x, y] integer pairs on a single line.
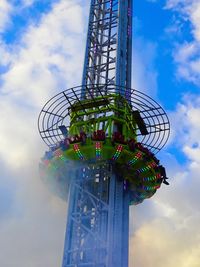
[[56, 112]]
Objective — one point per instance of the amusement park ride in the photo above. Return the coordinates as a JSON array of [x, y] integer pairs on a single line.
[[102, 138]]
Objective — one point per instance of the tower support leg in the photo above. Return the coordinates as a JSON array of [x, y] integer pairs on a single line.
[[98, 220]]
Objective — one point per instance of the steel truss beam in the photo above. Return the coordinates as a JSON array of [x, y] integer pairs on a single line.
[[97, 220], [109, 42]]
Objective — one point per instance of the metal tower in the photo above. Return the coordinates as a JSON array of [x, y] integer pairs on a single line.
[[102, 138], [98, 216]]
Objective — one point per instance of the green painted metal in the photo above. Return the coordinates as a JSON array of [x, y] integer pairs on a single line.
[[143, 175], [103, 113], [137, 165]]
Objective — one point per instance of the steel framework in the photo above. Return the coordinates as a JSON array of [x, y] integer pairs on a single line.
[[109, 43], [98, 215], [57, 111]]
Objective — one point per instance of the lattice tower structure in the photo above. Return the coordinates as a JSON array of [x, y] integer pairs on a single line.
[[98, 215]]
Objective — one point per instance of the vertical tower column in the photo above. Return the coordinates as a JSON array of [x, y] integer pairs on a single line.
[[108, 52], [118, 224], [98, 210]]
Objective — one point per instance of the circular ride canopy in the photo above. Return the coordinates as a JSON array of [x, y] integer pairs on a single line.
[[103, 127]]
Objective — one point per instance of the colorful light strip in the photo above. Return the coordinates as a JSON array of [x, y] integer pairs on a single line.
[[142, 195], [98, 149], [152, 178], [147, 168], [135, 159], [151, 188], [63, 158], [78, 152], [118, 152], [59, 154]]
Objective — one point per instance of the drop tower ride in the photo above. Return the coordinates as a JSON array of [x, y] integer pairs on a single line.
[[102, 138]]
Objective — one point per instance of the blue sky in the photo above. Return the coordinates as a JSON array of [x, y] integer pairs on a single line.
[[41, 52], [154, 25]]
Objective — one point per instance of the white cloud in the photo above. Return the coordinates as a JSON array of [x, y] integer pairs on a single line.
[[159, 243], [34, 232], [47, 59], [5, 11], [167, 226], [176, 4], [170, 232], [5, 55], [186, 122], [186, 55]]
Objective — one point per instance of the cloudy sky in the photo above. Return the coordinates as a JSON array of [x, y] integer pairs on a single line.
[[41, 53]]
